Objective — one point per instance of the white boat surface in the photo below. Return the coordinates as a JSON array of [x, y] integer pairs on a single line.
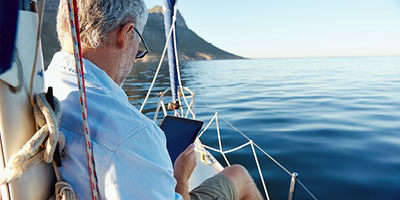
[[16, 118]]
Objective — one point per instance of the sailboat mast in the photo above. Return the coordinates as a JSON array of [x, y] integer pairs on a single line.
[[173, 73]]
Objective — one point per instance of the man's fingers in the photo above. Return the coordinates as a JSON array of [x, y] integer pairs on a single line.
[[189, 149]]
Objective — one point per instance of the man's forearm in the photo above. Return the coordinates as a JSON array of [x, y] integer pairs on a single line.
[[182, 187], [183, 168]]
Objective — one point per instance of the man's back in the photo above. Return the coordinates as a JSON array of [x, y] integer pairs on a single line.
[[129, 150]]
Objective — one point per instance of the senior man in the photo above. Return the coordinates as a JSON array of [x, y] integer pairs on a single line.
[[130, 152]]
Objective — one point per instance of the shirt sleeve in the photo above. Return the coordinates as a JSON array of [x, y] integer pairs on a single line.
[[140, 168]]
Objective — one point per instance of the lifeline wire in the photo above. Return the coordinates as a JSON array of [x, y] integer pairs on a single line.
[[215, 117], [258, 147]]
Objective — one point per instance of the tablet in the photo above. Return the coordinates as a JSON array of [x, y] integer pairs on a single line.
[[180, 133]]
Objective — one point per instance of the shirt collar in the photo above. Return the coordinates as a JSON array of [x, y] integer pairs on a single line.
[[65, 62]]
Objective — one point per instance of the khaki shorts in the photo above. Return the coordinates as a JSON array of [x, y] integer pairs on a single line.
[[217, 187]]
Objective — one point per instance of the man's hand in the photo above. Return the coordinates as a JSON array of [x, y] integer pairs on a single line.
[[183, 168]]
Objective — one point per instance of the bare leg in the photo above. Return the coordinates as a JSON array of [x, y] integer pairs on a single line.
[[245, 185]]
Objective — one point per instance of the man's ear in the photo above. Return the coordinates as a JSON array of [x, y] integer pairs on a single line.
[[124, 33]]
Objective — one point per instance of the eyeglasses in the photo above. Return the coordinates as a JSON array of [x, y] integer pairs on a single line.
[[141, 53]]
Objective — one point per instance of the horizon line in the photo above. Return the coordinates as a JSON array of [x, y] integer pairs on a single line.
[[342, 56]]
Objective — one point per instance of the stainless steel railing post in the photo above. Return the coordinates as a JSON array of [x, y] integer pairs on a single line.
[[292, 185]]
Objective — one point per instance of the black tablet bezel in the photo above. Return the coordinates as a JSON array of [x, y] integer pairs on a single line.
[[198, 123]]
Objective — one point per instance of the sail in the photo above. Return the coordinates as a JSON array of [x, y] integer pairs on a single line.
[[8, 27], [172, 62]]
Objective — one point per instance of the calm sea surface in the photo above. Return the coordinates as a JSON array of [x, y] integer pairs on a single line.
[[335, 121]]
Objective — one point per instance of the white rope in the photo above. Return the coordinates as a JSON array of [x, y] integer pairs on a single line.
[[228, 151], [209, 123], [180, 107], [259, 169], [64, 191], [245, 136], [215, 117], [238, 147], [27, 155], [220, 142], [38, 38], [157, 110], [177, 65], [211, 148], [225, 152], [164, 109], [170, 35], [192, 104], [32, 153], [159, 65]]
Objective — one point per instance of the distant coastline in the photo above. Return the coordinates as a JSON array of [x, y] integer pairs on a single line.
[[306, 57], [190, 45]]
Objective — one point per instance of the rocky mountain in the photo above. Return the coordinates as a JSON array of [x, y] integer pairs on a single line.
[[190, 45]]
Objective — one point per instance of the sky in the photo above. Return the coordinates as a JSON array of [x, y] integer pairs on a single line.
[[296, 28]]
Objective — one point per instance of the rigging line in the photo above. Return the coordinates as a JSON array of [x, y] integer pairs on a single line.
[[259, 169], [190, 106], [38, 39], [177, 62], [180, 106], [305, 188], [164, 109], [74, 23], [244, 135], [172, 30], [211, 148], [228, 151], [176, 113], [158, 67], [269, 156], [220, 142], [238, 147], [209, 123], [157, 111]]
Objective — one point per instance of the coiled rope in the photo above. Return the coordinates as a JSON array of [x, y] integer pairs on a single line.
[[40, 147]]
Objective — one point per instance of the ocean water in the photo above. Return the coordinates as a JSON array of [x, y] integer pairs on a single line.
[[334, 121]]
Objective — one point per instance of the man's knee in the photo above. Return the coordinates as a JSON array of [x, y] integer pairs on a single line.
[[237, 174], [243, 182], [236, 169]]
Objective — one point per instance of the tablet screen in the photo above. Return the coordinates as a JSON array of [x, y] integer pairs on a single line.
[[180, 133]]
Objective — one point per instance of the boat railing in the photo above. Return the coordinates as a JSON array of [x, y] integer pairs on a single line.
[[254, 146], [179, 111], [189, 106]]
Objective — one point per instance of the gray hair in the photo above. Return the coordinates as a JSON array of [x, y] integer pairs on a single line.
[[97, 18]]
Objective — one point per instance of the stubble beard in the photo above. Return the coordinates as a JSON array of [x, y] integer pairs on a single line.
[[124, 70]]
